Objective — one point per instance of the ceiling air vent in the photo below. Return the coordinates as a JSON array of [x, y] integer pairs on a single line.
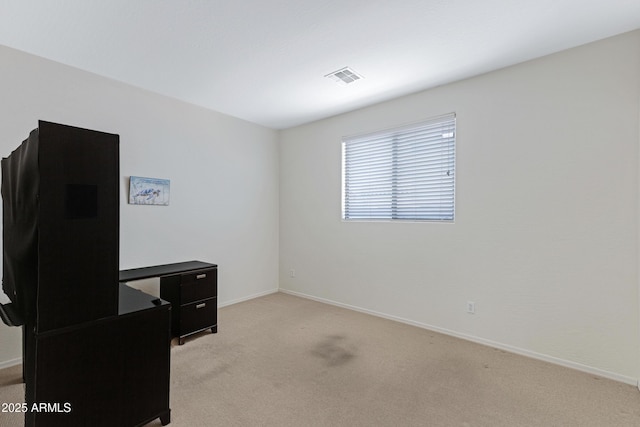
[[344, 76]]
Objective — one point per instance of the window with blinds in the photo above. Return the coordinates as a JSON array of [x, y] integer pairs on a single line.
[[406, 173]]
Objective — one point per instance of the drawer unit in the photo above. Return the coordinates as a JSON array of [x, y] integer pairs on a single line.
[[198, 286], [193, 297], [198, 315]]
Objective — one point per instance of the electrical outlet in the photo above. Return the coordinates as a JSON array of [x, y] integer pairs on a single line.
[[471, 307], [292, 273]]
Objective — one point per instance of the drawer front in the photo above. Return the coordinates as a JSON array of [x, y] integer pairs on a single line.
[[199, 315], [198, 286]]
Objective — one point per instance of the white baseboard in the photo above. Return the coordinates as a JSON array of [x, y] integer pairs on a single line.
[[247, 298], [10, 363], [522, 352]]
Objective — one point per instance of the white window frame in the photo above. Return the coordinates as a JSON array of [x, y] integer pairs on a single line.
[[401, 174]]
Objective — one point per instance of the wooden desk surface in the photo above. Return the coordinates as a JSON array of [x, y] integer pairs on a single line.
[[162, 270]]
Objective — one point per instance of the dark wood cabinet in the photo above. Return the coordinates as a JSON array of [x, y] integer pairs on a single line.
[[110, 372], [61, 201], [192, 289], [95, 353]]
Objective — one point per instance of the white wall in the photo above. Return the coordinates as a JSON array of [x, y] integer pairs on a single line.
[[545, 240], [546, 233], [223, 172]]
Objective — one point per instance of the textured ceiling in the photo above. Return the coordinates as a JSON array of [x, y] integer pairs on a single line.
[[265, 60]]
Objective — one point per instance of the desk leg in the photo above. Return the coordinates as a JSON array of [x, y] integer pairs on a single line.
[[165, 418]]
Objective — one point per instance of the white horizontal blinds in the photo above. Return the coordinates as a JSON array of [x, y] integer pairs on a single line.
[[406, 173]]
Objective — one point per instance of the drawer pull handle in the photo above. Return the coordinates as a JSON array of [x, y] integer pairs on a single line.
[[201, 276], [201, 305]]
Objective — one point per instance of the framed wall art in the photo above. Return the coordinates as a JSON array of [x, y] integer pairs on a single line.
[[149, 191]]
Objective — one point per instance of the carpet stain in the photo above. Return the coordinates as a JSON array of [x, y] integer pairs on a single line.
[[333, 350]]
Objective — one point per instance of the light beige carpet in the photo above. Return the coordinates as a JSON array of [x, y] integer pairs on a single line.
[[280, 360]]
